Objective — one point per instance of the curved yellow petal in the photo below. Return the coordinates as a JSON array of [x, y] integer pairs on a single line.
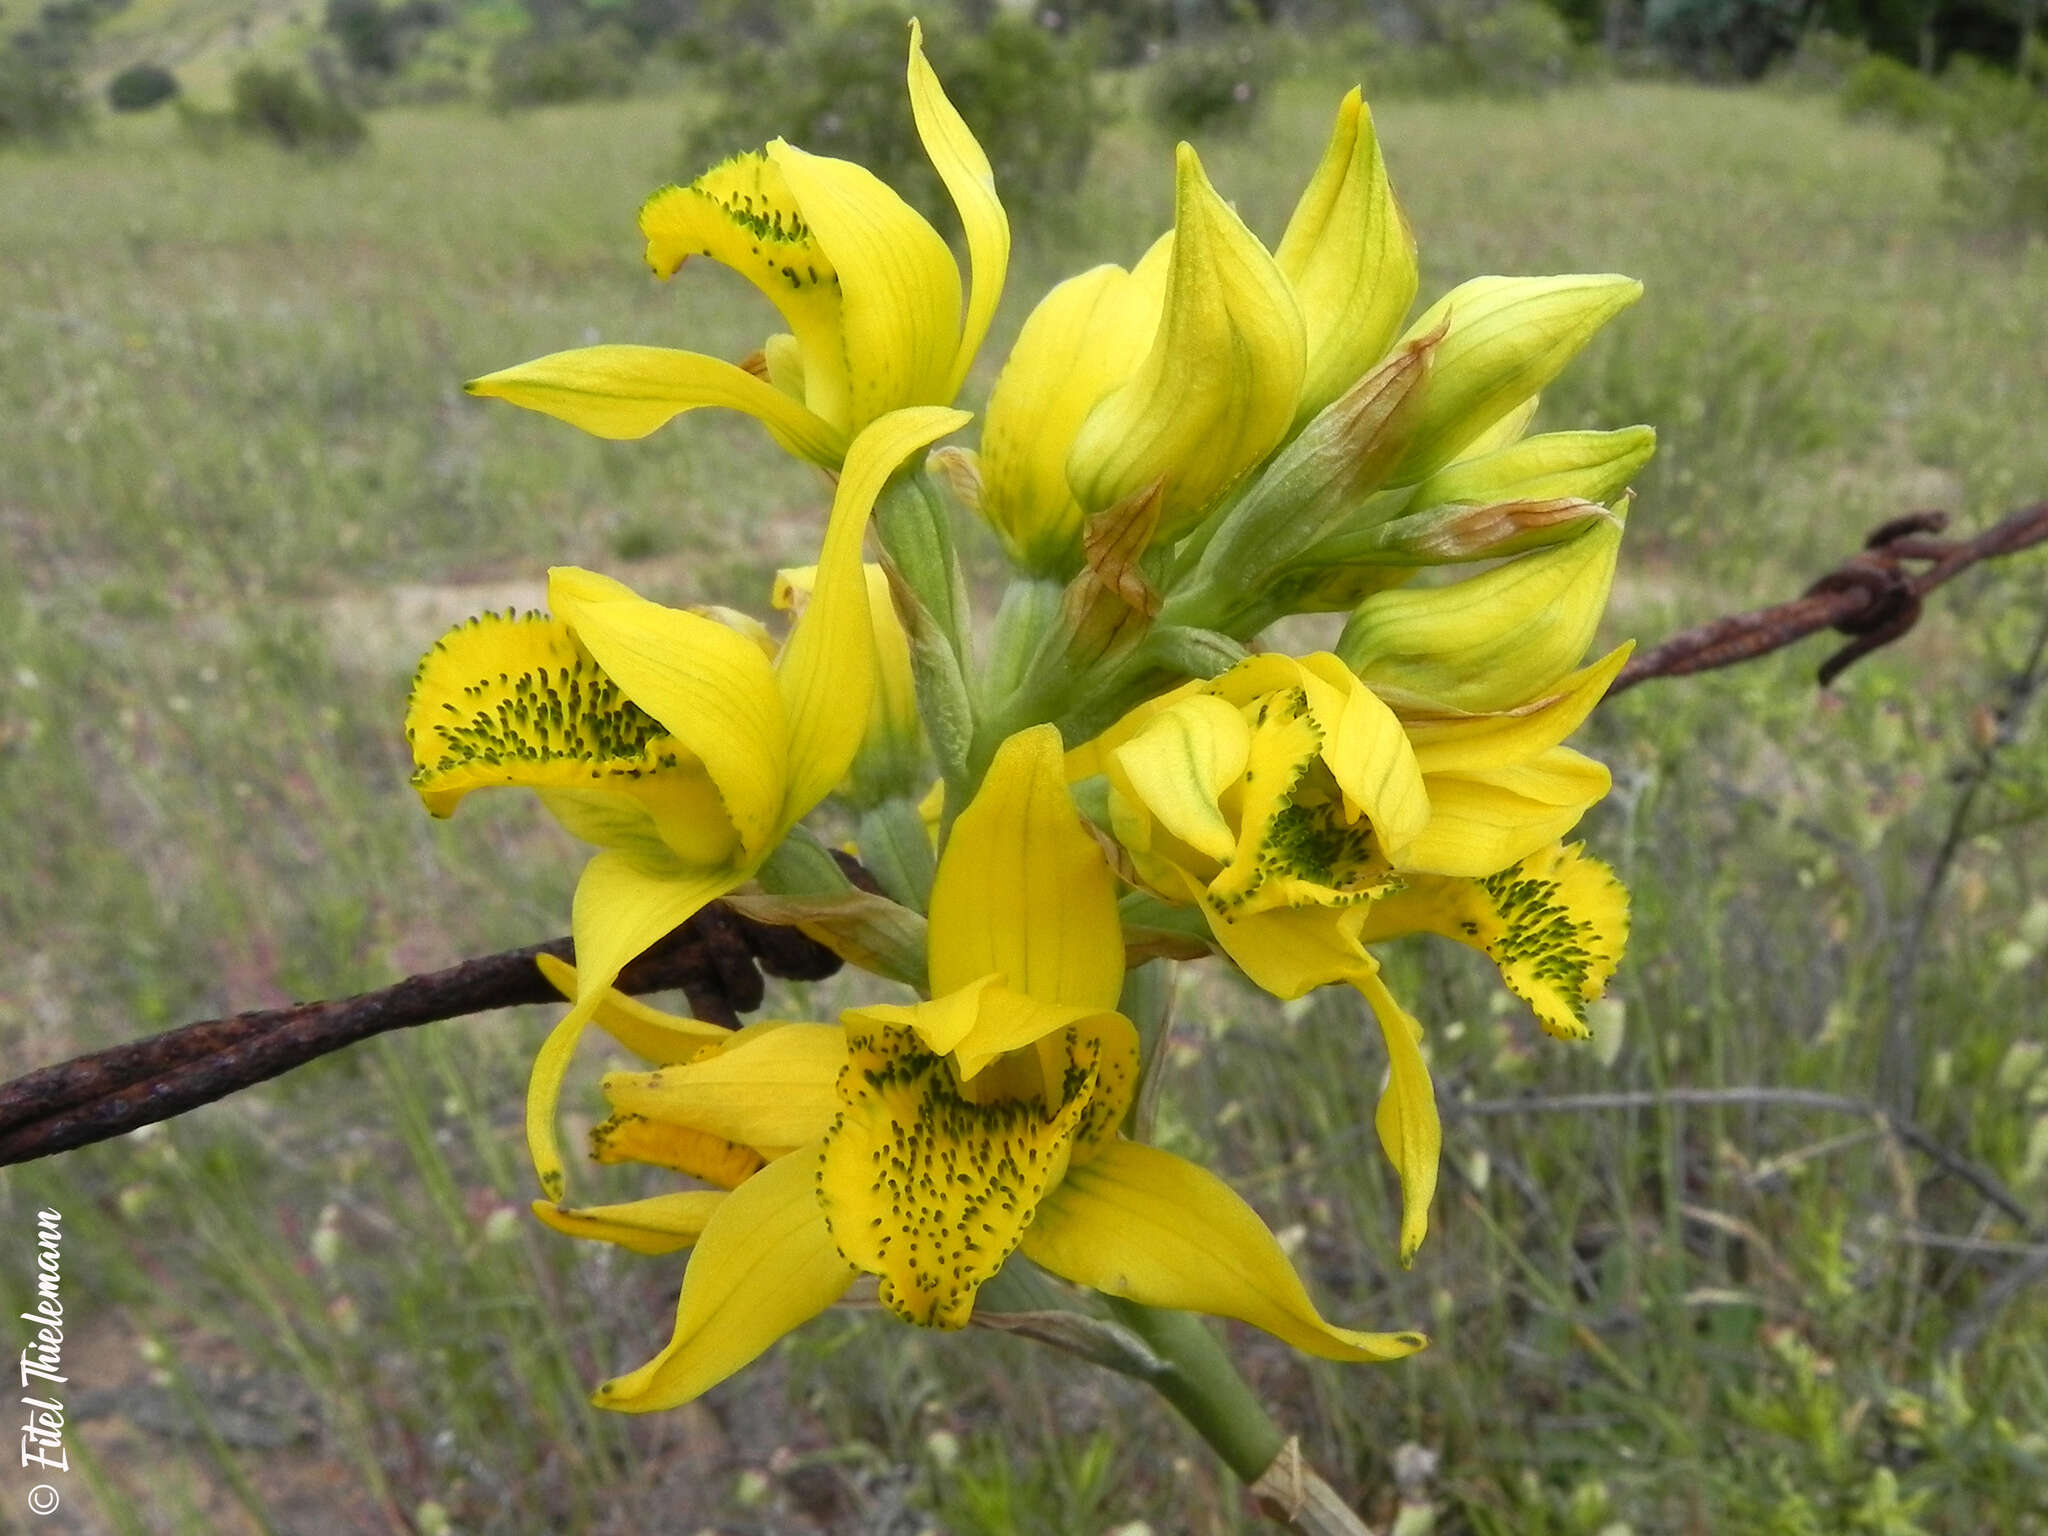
[[1477, 743], [622, 906], [648, 1033], [1290, 951], [710, 686], [657, 1225], [1555, 924], [765, 1265], [744, 215], [1410, 1133], [965, 170], [1023, 889], [678, 1148], [1351, 259], [826, 674], [1178, 766], [1217, 391], [625, 391], [519, 701], [1087, 336], [1483, 821], [1141, 1223], [766, 1088], [1368, 753], [891, 747], [899, 289]]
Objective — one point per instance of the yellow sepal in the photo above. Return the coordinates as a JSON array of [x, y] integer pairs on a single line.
[[660, 1224], [1410, 1132], [765, 1264], [964, 168], [1023, 890], [624, 391], [1141, 1223], [770, 1085]]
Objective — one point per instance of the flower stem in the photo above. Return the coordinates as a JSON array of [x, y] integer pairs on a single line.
[[1206, 1387]]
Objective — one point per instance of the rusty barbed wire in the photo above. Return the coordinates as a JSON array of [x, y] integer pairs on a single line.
[[718, 958], [1871, 596]]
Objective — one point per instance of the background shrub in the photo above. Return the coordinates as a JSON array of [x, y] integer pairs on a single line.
[[39, 98], [1210, 87], [1997, 146], [140, 87], [278, 104], [1883, 88], [534, 70], [837, 89]]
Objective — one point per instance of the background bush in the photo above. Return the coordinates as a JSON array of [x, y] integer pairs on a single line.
[[1997, 146], [1883, 88], [278, 104], [38, 99], [140, 87], [1210, 87], [837, 89], [535, 70]]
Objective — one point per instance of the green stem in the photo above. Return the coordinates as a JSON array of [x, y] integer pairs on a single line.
[[1206, 1387]]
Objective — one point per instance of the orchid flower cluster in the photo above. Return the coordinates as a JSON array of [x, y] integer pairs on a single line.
[[1110, 771]]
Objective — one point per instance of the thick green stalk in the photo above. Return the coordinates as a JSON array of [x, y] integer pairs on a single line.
[[1206, 1387]]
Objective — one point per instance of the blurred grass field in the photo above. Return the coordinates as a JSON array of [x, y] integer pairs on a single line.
[[241, 491]]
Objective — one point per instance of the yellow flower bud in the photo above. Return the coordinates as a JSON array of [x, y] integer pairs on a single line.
[[1494, 640], [1504, 339], [1217, 391]]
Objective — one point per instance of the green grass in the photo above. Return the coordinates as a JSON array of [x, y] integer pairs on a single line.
[[240, 491]]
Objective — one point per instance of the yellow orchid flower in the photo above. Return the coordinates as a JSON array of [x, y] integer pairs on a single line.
[[1280, 799], [666, 738], [869, 290], [891, 753], [926, 1143]]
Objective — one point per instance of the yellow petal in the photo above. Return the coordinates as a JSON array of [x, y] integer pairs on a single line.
[[965, 170], [1290, 951], [678, 1148], [1476, 743], [621, 908], [1217, 391], [623, 391], [899, 289], [890, 749], [744, 214], [769, 1087], [711, 687], [929, 1189], [660, 1224], [1410, 1133], [519, 701], [1555, 924], [647, 1032], [1141, 1223], [1351, 259], [1085, 337], [1023, 890], [826, 674], [1178, 766], [1484, 821], [1367, 752], [765, 1264]]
